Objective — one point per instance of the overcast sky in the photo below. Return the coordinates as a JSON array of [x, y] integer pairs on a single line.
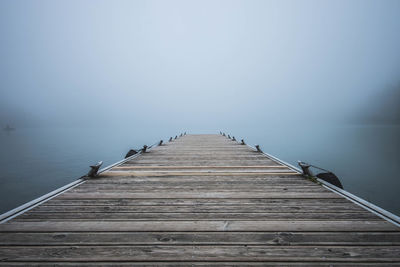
[[200, 64]]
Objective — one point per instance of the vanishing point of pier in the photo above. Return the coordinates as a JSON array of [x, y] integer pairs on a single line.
[[198, 200]]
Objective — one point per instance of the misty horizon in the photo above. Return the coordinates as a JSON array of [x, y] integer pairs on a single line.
[[180, 63], [310, 80]]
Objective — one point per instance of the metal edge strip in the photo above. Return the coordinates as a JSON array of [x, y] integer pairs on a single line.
[[384, 214], [290, 166], [40, 200], [33, 203], [127, 159], [120, 162]]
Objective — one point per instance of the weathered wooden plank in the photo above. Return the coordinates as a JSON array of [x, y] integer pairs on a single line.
[[221, 155], [333, 203], [220, 189], [201, 208], [177, 173], [130, 167], [203, 238], [194, 216], [201, 181], [145, 226], [217, 176], [201, 253], [240, 184], [197, 194], [200, 162], [212, 187], [174, 181], [193, 156], [203, 263], [216, 187], [195, 184], [204, 162], [130, 172], [204, 179]]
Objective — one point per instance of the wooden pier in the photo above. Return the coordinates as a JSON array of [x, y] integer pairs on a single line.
[[199, 200]]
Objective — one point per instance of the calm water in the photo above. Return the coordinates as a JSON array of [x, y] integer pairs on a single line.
[[36, 161]]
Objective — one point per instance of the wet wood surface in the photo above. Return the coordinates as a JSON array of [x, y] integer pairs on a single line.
[[199, 200]]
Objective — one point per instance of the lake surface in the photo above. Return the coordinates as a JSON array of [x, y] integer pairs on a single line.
[[35, 161]]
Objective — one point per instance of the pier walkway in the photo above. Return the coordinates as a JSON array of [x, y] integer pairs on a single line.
[[199, 200]]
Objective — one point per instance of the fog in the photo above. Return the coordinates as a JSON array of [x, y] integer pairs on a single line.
[[197, 65], [84, 81]]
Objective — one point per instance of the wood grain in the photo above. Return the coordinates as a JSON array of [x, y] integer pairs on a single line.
[[200, 200]]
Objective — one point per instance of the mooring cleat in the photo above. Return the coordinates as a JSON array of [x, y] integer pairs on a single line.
[[144, 149], [94, 169], [258, 148]]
